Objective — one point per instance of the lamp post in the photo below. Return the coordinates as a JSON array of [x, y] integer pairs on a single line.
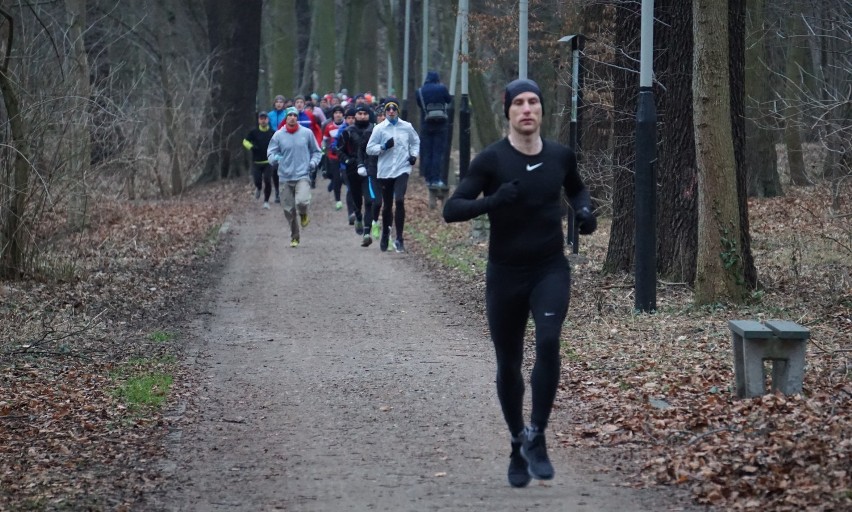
[[578, 42], [645, 197], [464, 108]]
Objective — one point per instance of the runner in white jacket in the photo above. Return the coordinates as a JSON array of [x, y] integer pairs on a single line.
[[397, 146]]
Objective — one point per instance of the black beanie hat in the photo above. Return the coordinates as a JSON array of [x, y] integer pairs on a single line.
[[516, 87], [362, 108], [350, 112]]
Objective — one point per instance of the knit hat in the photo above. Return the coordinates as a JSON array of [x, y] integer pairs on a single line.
[[262, 114], [516, 87], [279, 98], [350, 112], [362, 108], [291, 110], [392, 101], [336, 108]]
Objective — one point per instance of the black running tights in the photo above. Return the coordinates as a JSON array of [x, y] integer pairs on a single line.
[[512, 294]]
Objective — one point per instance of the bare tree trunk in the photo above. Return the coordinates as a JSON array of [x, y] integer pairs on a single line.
[[677, 203], [796, 89], [760, 156], [309, 65], [719, 271], [80, 149], [165, 56], [368, 52], [619, 256], [353, 49], [234, 34], [282, 40], [736, 71], [326, 45], [12, 239]]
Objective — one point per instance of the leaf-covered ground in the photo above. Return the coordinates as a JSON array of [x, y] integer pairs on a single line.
[[653, 393], [650, 395]]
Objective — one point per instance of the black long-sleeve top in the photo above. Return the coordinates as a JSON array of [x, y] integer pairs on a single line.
[[529, 230]]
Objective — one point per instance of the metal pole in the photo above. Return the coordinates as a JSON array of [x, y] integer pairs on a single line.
[[523, 15], [464, 110], [645, 180], [406, 51], [390, 57], [424, 57], [450, 177], [578, 42]]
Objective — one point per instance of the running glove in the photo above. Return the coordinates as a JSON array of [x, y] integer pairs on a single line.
[[389, 144], [362, 171], [586, 221], [506, 194], [411, 160]]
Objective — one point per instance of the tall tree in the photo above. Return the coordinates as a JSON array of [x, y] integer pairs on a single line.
[[619, 256], [677, 201], [79, 138], [324, 13], [12, 232], [353, 49], [736, 75], [761, 162], [282, 41], [719, 271], [234, 34], [166, 21], [796, 85]]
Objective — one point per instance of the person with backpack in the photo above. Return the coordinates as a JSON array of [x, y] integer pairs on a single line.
[[433, 98]]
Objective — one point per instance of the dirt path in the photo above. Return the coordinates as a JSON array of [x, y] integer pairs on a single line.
[[339, 378]]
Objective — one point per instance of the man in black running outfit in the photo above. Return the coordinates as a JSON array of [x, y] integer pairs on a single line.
[[521, 178]]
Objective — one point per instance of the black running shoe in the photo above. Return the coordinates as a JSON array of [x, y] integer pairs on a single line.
[[533, 449], [519, 475], [383, 242]]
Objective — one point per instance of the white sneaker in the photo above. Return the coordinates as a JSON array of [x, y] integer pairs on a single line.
[[265, 206]]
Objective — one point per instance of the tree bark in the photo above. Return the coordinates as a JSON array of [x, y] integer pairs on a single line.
[[80, 147], [719, 271], [796, 88], [354, 40], [326, 36], [736, 70], [760, 156], [282, 40], [677, 202], [13, 246], [619, 256], [165, 57], [234, 33]]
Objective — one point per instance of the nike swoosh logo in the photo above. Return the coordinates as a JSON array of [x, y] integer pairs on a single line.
[[534, 167], [549, 313]]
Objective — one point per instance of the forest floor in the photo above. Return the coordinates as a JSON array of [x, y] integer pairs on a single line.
[[95, 378]]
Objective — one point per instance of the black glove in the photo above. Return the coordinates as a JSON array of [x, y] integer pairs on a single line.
[[411, 160], [313, 175], [507, 193], [585, 221], [389, 144]]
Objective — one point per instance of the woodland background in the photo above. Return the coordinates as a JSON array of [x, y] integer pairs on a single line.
[[117, 117]]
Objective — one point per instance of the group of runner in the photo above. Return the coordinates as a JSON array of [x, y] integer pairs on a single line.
[[517, 181], [359, 144]]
